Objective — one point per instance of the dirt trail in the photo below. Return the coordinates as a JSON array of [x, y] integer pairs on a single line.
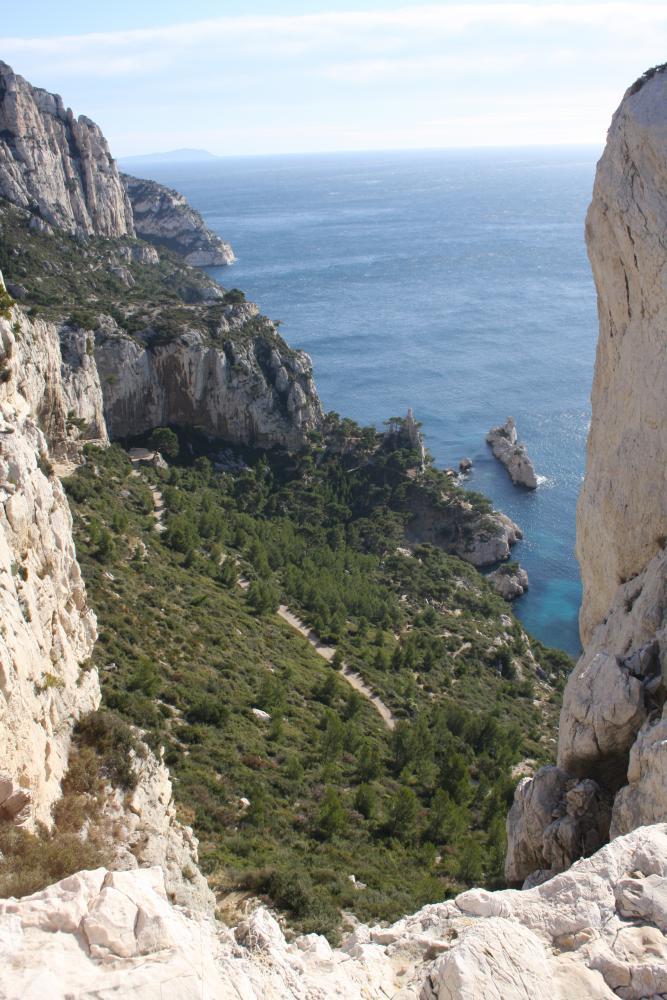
[[158, 509], [327, 653], [351, 676]]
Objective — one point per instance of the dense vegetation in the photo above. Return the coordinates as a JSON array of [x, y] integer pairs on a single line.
[[294, 804]]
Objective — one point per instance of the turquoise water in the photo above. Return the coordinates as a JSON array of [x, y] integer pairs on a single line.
[[455, 282]]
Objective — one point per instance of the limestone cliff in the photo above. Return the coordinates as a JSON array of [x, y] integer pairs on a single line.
[[612, 771], [163, 216], [57, 166], [248, 389], [53, 368], [47, 630], [622, 514]]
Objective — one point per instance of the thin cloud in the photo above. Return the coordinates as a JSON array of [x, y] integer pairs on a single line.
[[258, 83]]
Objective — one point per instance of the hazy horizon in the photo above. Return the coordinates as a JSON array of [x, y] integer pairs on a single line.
[[157, 154]]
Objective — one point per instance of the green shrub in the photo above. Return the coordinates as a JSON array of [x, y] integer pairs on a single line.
[[115, 743]]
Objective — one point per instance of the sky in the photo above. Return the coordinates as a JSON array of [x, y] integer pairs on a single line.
[[243, 77]]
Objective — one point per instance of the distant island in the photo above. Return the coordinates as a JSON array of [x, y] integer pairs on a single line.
[[170, 156]]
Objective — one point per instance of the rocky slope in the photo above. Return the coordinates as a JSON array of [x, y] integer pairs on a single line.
[[612, 771], [163, 216], [622, 514], [57, 166], [597, 931]]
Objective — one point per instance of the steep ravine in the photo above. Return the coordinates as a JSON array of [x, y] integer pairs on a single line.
[[595, 930]]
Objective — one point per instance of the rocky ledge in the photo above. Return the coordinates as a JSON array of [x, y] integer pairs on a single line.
[[512, 453], [163, 216], [597, 931]]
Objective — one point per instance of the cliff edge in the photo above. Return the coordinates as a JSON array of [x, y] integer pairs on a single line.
[[622, 513], [55, 165], [612, 765]]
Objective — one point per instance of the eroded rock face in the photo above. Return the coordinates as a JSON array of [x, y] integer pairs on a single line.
[[56, 165], [244, 392], [622, 512], [596, 931], [163, 216], [644, 799], [512, 453], [612, 726], [555, 820], [47, 630], [53, 368]]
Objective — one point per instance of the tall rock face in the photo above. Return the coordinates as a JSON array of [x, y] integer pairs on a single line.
[[47, 630], [622, 514], [243, 390], [57, 166], [54, 370], [163, 216], [612, 765]]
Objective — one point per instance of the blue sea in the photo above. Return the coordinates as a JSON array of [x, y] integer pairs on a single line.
[[454, 282]]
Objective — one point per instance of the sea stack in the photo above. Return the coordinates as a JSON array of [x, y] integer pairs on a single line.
[[512, 453]]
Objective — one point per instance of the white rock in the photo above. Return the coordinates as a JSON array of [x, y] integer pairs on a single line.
[[622, 512], [587, 933], [512, 454], [259, 713], [61, 164]]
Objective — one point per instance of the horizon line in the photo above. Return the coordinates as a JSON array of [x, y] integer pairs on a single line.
[[333, 152]]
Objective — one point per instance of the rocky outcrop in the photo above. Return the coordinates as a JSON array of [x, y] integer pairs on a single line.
[[147, 833], [163, 216], [597, 931], [243, 390], [611, 728], [47, 630], [555, 818], [509, 582], [57, 166], [512, 453], [457, 525], [622, 512], [488, 540]]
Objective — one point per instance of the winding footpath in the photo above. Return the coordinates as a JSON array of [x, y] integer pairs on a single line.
[[327, 653], [354, 679]]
